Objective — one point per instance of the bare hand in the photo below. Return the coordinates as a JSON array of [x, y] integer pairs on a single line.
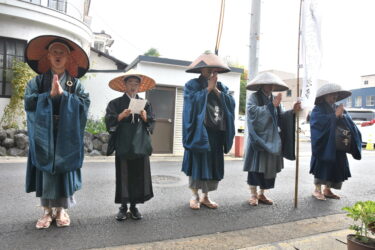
[[297, 107], [212, 80], [340, 110], [276, 101], [125, 113], [56, 87], [144, 115]]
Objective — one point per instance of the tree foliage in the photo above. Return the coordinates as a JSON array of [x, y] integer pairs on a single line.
[[14, 114], [152, 52]]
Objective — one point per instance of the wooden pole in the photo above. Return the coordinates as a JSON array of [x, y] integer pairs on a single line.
[[220, 27], [297, 118]]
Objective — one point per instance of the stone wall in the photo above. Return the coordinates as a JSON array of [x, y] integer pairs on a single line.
[[15, 142]]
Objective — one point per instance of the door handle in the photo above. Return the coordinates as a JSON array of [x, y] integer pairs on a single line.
[[170, 120]]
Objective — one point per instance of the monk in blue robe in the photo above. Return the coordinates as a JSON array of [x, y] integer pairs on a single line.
[[208, 128], [329, 165], [56, 106], [271, 135]]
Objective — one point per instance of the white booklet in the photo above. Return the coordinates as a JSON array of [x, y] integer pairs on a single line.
[[136, 105]]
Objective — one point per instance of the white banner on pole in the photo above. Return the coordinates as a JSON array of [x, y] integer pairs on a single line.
[[311, 51]]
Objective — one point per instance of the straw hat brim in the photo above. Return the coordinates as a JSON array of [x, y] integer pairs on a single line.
[[36, 53], [341, 95], [267, 78], [118, 83], [257, 86], [208, 61]]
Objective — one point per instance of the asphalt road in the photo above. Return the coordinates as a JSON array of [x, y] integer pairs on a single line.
[[167, 215]]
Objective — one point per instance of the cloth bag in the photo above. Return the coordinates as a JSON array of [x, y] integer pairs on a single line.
[[343, 138], [133, 140]]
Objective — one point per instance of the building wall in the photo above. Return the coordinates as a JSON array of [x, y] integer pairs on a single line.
[[363, 94], [178, 149], [24, 21], [368, 81], [98, 62]]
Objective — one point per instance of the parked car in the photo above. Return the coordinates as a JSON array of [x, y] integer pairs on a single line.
[[365, 121]]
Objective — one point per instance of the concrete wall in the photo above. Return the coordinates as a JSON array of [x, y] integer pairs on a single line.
[[24, 21]]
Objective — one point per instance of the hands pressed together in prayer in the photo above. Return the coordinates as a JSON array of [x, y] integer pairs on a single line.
[[212, 80], [127, 112], [340, 111], [276, 101], [56, 87]]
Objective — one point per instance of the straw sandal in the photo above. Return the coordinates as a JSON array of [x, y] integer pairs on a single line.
[[45, 221], [263, 199], [253, 201], [328, 194], [194, 204], [319, 196], [208, 203], [63, 220]]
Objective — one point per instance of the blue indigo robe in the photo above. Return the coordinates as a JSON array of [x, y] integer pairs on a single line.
[[271, 137], [327, 163], [204, 147], [56, 129]]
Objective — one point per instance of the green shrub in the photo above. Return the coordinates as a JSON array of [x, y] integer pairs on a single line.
[[95, 126], [364, 213]]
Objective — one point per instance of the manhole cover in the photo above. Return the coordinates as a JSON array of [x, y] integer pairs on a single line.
[[164, 179]]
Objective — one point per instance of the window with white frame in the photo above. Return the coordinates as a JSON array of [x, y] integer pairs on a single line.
[[289, 92], [358, 101], [59, 5], [349, 102], [370, 100], [365, 82], [10, 50]]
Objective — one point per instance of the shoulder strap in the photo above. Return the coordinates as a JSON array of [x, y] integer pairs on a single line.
[[259, 98]]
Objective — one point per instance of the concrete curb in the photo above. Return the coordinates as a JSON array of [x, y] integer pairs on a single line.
[[309, 232]]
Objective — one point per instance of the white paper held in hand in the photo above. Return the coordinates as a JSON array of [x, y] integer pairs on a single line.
[[136, 105]]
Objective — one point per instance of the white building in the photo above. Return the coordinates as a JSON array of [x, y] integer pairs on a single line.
[[103, 68], [166, 98], [21, 21]]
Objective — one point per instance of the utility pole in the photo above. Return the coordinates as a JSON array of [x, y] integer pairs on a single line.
[[254, 39], [253, 53]]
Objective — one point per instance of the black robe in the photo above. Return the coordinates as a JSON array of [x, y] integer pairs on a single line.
[[133, 177]]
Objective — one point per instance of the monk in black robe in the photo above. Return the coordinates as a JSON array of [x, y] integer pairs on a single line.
[[133, 175]]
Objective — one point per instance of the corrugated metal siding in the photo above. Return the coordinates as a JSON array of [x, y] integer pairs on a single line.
[[178, 149]]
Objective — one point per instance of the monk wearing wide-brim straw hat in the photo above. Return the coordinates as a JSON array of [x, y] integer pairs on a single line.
[[208, 128], [130, 138], [329, 163], [56, 106], [271, 135]]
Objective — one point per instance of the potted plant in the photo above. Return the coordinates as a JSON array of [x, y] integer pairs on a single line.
[[363, 213]]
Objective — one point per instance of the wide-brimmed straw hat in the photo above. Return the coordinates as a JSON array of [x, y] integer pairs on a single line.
[[118, 83], [331, 88], [267, 78], [37, 49], [208, 61]]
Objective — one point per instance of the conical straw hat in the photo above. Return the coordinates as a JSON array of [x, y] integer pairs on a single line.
[[267, 78], [331, 88], [208, 61], [37, 49], [117, 83]]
